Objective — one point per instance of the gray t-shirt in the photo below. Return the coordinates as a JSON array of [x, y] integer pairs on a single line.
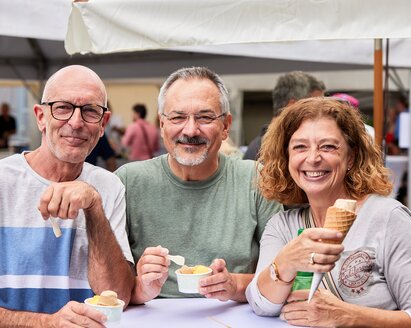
[[376, 263], [221, 217]]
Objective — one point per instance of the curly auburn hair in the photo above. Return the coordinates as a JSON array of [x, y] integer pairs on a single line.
[[367, 175]]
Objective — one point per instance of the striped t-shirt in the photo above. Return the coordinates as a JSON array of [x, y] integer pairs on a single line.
[[39, 272]]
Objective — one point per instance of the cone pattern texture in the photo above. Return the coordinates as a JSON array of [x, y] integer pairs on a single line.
[[338, 219]]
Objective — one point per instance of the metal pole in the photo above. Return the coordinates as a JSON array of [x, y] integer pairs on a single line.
[[378, 92], [409, 144]]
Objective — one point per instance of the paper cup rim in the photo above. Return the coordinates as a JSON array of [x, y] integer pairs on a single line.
[[120, 305], [193, 274]]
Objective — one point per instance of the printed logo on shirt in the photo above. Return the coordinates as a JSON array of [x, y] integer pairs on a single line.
[[356, 272]]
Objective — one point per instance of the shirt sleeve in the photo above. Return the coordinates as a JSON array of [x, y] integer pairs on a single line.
[[272, 242], [118, 224], [261, 305], [265, 210], [397, 259]]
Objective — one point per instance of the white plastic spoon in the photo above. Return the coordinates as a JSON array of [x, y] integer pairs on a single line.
[[56, 228], [177, 259]]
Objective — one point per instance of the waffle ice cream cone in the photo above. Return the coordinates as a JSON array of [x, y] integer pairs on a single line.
[[339, 219]]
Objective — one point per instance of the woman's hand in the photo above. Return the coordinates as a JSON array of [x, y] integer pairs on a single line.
[[324, 310], [298, 254]]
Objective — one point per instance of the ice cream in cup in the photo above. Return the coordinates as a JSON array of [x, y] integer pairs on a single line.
[[188, 278], [108, 304]]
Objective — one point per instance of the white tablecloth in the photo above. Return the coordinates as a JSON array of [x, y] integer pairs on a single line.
[[195, 312]]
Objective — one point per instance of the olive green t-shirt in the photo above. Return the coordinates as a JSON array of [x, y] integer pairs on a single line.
[[221, 217]]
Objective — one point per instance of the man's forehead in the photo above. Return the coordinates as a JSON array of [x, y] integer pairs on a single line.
[[75, 81], [74, 92], [191, 85]]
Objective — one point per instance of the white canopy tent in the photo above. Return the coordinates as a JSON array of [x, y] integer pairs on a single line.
[[31, 48], [106, 26], [41, 19], [343, 31], [314, 35], [240, 26]]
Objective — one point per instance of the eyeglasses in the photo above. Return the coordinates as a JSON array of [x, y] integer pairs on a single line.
[[202, 119], [63, 111]]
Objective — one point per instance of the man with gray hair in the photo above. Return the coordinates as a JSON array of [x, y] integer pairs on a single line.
[[290, 87], [194, 201]]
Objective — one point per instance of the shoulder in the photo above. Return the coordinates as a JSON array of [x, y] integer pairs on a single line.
[[140, 169], [384, 208], [240, 165], [239, 170], [377, 203], [286, 218], [11, 163], [285, 223], [99, 177]]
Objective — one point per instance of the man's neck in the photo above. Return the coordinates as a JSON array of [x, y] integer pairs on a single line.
[[193, 173], [50, 168]]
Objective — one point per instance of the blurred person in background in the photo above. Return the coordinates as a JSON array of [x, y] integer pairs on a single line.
[[114, 131], [400, 105], [7, 125], [290, 87], [230, 149], [354, 102], [104, 152], [141, 137]]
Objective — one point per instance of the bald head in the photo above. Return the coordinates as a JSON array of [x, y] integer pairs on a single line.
[[71, 140], [73, 79]]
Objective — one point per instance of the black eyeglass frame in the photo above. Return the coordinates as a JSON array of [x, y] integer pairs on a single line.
[[51, 103]]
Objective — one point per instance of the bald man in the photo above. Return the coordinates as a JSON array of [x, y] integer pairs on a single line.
[[45, 279]]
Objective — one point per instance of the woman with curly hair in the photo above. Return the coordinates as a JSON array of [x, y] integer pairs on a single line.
[[315, 152]]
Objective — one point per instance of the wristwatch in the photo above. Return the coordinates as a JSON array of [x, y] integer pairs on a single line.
[[275, 276]]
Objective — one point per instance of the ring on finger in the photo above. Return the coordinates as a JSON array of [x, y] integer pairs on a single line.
[[312, 262]]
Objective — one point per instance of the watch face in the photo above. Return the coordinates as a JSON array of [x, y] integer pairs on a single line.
[[272, 272]]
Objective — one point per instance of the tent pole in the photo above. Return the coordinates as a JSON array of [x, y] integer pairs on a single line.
[[378, 92], [409, 146]]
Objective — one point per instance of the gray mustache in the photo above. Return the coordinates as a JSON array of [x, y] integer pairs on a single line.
[[192, 140]]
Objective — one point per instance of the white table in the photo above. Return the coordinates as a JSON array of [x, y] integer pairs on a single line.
[[195, 312]]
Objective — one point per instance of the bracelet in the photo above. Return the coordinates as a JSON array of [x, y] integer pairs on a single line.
[[275, 276]]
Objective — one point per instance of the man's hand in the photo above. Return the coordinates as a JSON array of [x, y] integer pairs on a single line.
[[152, 272], [66, 199], [221, 285], [75, 314]]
